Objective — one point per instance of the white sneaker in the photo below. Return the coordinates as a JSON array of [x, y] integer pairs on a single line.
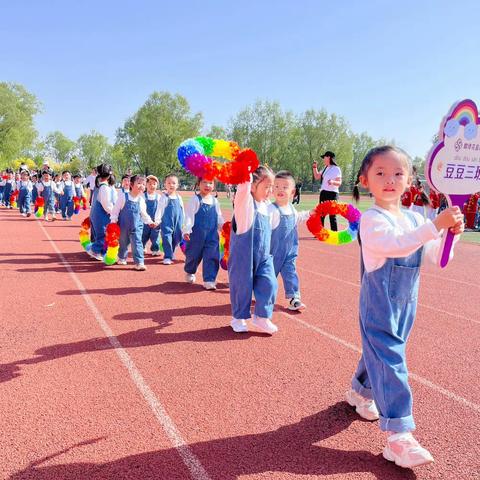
[[265, 324], [209, 285], [405, 451], [190, 277], [167, 261], [239, 325], [96, 256], [24, 214], [365, 407], [156, 254], [121, 261], [296, 305], [140, 267]]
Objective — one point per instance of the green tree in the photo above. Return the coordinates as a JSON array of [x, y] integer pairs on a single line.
[[362, 143], [59, 148], [18, 108], [93, 149], [150, 137]]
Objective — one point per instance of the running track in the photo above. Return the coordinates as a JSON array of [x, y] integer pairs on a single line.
[[108, 373]]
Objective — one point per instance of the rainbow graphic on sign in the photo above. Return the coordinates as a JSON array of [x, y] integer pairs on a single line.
[[465, 114]]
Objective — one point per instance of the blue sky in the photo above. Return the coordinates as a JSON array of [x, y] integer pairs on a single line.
[[390, 68]]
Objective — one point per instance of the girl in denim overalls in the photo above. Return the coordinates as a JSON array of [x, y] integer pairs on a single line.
[[152, 199], [47, 189], [130, 211], [66, 197], [250, 264], [103, 199], [8, 185], [203, 219], [170, 215], [393, 242], [25, 187], [284, 244]]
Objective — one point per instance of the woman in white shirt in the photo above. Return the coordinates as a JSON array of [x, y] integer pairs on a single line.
[[331, 179]]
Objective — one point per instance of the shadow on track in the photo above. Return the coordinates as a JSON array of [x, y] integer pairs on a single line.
[[291, 449]]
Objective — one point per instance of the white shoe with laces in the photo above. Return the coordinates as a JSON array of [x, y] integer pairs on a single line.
[[140, 267], [365, 407], [167, 261], [95, 256], [190, 277], [209, 285], [239, 325], [265, 324], [405, 451], [156, 254], [296, 305], [120, 261]]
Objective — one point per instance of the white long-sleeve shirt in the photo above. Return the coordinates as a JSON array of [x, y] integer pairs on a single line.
[[106, 195], [192, 208], [66, 183], [41, 186], [4, 182], [120, 203], [244, 208], [382, 240], [288, 209], [162, 205], [26, 183]]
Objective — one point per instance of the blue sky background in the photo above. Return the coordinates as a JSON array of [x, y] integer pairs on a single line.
[[391, 68]]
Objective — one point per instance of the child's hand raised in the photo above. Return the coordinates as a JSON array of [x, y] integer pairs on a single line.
[[450, 217], [186, 237]]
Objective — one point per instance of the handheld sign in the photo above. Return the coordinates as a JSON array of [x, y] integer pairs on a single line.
[[453, 164]]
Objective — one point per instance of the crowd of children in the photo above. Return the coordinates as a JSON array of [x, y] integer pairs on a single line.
[[264, 244]]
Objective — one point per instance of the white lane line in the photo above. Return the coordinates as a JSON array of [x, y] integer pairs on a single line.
[[423, 305], [418, 378], [197, 471]]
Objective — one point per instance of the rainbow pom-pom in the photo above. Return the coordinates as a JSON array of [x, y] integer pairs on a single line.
[[112, 238], [84, 234]]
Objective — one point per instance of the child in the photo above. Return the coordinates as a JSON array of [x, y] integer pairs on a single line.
[[130, 210], [77, 185], [67, 190], [58, 183], [2, 185], [47, 189], [8, 187], [25, 187], [103, 199], [203, 218], [152, 199], [434, 204], [284, 243], [170, 214], [125, 186], [250, 264], [420, 199], [34, 188], [393, 241]]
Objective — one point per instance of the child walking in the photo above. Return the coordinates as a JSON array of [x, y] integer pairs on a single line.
[[170, 215], [47, 189], [9, 186], [284, 219], [130, 211], [25, 187], [103, 199], [79, 191], [152, 199], [393, 241], [67, 190], [250, 264], [203, 218]]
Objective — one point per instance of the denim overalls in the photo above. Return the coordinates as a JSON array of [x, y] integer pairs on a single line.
[[24, 197], [7, 190], [284, 249], [99, 219], [250, 269], [131, 228], [49, 198], [2, 188], [203, 244], [34, 193], [388, 303], [66, 200], [171, 226], [150, 233]]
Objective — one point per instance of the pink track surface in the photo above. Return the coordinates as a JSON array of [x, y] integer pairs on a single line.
[[143, 378]]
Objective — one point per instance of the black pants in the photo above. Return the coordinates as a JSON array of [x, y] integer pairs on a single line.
[[326, 195]]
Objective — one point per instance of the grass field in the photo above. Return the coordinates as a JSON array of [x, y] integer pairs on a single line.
[[309, 201]]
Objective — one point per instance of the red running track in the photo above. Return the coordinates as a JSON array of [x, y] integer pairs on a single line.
[[108, 373]]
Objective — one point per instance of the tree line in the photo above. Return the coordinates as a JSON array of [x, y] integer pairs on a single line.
[[148, 140]]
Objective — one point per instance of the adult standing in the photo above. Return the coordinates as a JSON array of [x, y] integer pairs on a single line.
[[90, 183], [331, 179]]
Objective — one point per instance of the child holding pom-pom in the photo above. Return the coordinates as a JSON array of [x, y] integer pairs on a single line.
[[8, 184], [103, 199], [170, 215], [203, 218], [47, 189], [250, 264], [152, 199], [67, 192], [130, 211]]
